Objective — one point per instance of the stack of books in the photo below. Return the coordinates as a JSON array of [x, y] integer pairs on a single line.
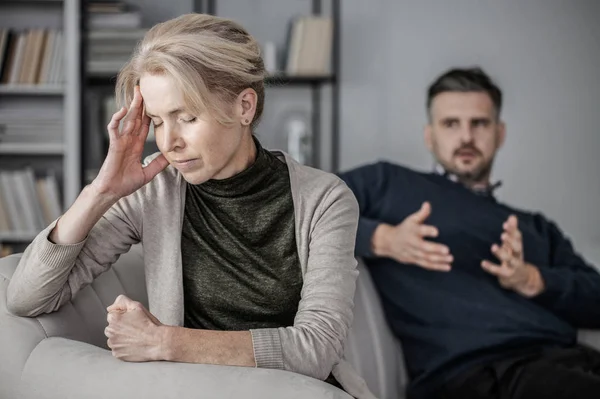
[[115, 30], [30, 130], [309, 46], [31, 57], [27, 204]]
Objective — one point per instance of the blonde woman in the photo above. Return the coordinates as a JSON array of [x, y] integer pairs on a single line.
[[248, 254]]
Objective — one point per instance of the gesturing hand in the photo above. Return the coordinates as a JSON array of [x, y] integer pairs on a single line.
[[406, 242], [133, 332], [122, 172], [513, 272]]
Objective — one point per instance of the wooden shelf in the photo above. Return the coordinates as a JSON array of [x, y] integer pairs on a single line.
[[270, 81], [17, 236], [32, 90], [32, 149]]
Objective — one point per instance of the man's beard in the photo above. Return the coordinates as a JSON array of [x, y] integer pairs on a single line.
[[477, 175]]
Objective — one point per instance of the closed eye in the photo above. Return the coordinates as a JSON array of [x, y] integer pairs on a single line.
[[189, 120]]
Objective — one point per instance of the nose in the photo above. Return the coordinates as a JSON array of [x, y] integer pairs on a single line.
[[171, 139], [467, 134]]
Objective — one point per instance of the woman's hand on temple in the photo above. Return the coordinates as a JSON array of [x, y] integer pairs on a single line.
[[122, 172]]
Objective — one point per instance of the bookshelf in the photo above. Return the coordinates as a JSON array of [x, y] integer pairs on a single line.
[[99, 84], [315, 84], [40, 114]]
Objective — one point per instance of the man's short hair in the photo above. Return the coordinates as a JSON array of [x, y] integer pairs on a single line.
[[465, 80]]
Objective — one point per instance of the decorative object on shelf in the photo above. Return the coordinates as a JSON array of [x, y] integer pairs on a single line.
[[298, 136], [270, 58]]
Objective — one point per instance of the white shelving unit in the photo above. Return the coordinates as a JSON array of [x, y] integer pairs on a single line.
[[32, 90], [32, 149], [57, 101]]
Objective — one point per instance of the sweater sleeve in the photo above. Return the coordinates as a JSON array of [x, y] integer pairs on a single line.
[[49, 275], [315, 343], [369, 184], [572, 287]]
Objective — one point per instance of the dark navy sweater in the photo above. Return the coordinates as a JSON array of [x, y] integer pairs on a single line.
[[449, 322]]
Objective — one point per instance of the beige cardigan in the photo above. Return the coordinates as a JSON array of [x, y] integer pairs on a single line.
[[326, 218]]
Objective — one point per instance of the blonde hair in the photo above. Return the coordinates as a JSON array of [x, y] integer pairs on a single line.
[[211, 60]]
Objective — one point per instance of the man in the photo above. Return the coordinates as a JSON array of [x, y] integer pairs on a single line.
[[486, 299]]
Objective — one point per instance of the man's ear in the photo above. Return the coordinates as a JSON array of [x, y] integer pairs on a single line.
[[428, 136], [246, 106], [501, 135]]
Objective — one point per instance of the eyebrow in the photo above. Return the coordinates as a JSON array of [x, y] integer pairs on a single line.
[[175, 111]]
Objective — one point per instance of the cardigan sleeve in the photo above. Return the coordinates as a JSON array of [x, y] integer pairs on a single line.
[[315, 343], [49, 275]]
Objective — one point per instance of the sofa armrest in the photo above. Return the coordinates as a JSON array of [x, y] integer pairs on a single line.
[[589, 338], [62, 368]]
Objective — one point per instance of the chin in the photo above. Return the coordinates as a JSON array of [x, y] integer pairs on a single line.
[[196, 177]]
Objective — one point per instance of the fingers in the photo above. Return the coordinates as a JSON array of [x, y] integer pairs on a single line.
[[433, 248], [514, 242], [113, 125], [435, 262], [495, 269], [421, 214], [511, 224], [133, 122], [428, 231], [145, 125], [122, 304], [503, 253], [157, 165]]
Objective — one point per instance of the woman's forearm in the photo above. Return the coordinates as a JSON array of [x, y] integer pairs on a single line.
[[186, 345], [76, 223]]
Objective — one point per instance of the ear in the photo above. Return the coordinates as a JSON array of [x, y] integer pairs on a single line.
[[428, 136], [246, 106], [501, 134]]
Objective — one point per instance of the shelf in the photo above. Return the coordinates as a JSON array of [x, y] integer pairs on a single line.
[[27, 90], [25, 2], [283, 80], [270, 81], [32, 148], [17, 236]]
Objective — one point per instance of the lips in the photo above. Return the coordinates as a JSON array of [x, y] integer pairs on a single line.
[[185, 164]]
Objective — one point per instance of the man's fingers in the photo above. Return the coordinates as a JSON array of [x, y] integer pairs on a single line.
[[432, 262], [502, 253], [514, 243], [438, 267], [433, 248], [428, 231], [422, 214], [495, 269], [511, 224]]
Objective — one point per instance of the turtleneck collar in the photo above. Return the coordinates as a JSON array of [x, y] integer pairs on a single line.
[[245, 181]]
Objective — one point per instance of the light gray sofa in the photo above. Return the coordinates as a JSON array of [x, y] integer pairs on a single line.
[[63, 354]]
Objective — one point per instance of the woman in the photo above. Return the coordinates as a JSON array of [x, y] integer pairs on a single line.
[[248, 254]]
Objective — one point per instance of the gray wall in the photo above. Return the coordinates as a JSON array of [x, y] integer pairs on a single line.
[[545, 54]]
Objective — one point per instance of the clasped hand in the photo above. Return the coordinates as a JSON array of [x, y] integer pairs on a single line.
[[133, 332]]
